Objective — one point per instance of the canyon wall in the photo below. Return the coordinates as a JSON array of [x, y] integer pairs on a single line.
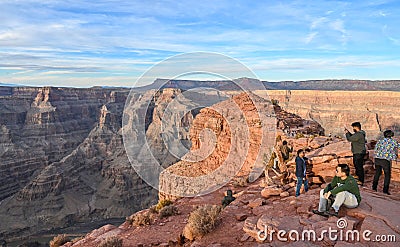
[[376, 110], [63, 159]]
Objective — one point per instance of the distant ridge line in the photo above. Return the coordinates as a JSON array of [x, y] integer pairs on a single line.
[[250, 84]]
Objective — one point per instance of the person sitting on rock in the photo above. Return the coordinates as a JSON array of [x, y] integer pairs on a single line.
[[301, 164], [343, 190], [286, 150], [228, 198], [386, 150]]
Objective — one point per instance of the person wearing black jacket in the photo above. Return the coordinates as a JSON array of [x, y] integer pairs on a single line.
[[228, 198], [301, 162], [358, 149]]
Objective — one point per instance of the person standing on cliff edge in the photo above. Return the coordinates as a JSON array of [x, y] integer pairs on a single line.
[[386, 150], [358, 149]]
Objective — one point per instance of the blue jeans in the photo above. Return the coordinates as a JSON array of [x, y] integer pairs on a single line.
[[300, 181]]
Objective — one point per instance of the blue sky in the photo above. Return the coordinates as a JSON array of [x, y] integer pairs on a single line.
[[86, 43]]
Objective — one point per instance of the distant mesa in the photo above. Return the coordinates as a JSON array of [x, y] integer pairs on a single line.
[[253, 84]]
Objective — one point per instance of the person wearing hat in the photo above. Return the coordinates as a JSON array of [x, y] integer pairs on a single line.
[[386, 150]]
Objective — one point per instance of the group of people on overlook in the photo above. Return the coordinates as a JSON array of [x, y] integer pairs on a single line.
[[344, 187]]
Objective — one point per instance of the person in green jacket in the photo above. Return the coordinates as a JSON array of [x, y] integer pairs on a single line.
[[343, 189], [358, 149]]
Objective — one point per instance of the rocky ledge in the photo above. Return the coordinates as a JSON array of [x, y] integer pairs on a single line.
[[242, 222]]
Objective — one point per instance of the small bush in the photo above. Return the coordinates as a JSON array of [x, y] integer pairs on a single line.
[[201, 221], [168, 211], [111, 242], [140, 219], [153, 210], [162, 204], [59, 240], [299, 135]]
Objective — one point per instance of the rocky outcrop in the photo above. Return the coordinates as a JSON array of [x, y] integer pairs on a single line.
[[231, 135], [238, 139]]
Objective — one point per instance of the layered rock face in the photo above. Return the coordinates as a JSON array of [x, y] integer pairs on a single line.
[[65, 161], [42, 125], [376, 110], [233, 135], [227, 138]]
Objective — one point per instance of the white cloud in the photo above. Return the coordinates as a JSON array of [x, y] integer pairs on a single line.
[[310, 37], [318, 22]]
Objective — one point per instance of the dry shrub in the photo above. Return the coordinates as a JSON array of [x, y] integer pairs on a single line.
[[161, 204], [111, 242], [201, 221], [153, 210], [59, 240], [168, 211], [140, 219]]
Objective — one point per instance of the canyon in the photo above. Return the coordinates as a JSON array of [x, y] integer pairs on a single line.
[[63, 160]]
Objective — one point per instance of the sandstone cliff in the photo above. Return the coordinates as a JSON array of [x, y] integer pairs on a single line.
[[241, 134]]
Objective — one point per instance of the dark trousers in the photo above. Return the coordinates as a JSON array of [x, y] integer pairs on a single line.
[[386, 166], [358, 161]]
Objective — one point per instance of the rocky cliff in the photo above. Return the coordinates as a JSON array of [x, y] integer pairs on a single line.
[[241, 134], [42, 125], [63, 158], [376, 111]]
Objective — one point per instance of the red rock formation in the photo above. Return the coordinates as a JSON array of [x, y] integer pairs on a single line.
[[234, 140]]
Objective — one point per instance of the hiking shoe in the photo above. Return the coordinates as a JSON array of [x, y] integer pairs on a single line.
[[387, 193], [320, 213], [332, 212]]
